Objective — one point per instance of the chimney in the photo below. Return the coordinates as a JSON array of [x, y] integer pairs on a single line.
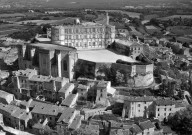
[[107, 16]]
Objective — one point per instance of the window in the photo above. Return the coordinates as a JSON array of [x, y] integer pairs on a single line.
[[93, 43], [170, 109], [66, 31], [93, 29], [139, 105], [69, 36], [139, 110], [101, 95], [164, 114], [44, 61], [66, 37], [158, 114], [158, 109], [165, 109], [70, 31], [65, 65], [77, 31], [77, 37]]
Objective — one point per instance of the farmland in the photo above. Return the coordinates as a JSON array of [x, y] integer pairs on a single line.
[[180, 30], [6, 29], [130, 14], [176, 16]]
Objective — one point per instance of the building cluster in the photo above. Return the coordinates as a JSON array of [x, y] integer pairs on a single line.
[[56, 90]]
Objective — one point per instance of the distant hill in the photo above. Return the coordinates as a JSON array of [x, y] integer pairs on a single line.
[[111, 3], [93, 3]]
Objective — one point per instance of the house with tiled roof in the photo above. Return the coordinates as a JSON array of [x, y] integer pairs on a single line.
[[147, 126], [136, 49], [82, 90], [5, 97], [14, 116], [66, 118], [163, 108], [66, 90], [136, 130], [70, 100], [137, 106]]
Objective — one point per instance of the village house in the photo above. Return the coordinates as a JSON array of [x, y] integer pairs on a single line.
[[136, 49], [6, 98], [137, 107], [70, 100], [15, 116], [29, 84], [163, 108], [147, 127], [82, 91], [66, 90], [102, 88]]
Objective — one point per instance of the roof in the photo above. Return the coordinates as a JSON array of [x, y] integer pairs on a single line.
[[135, 129], [102, 56], [46, 109], [53, 47], [76, 122], [66, 87], [66, 115], [135, 44], [4, 94], [146, 125], [163, 102], [180, 104], [27, 72], [40, 78], [80, 86], [68, 101], [106, 117], [150, 27], [138, 99], [102, 84]]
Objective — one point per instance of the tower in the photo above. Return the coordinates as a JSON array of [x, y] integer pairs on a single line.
[[107, 16]]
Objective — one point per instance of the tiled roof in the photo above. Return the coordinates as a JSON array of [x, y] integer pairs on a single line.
[[46, 109], [80, 86], [138, 99], [163, 102], [67, 102], [136, 129], [3, 94], [146, 125], [135, 44], [40, 78], [102, 84], [25, 73], [66, 115], [65, 87], [76, 122]]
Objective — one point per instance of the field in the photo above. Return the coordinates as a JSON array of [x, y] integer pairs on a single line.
[[180, 30], [12, 15], [175, 16], [130, 14], [6, 29]]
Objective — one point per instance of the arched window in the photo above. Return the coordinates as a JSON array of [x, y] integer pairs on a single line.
[[65, 65]]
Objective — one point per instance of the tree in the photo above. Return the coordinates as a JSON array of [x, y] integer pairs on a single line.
[[119, 78], [182, 121]]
